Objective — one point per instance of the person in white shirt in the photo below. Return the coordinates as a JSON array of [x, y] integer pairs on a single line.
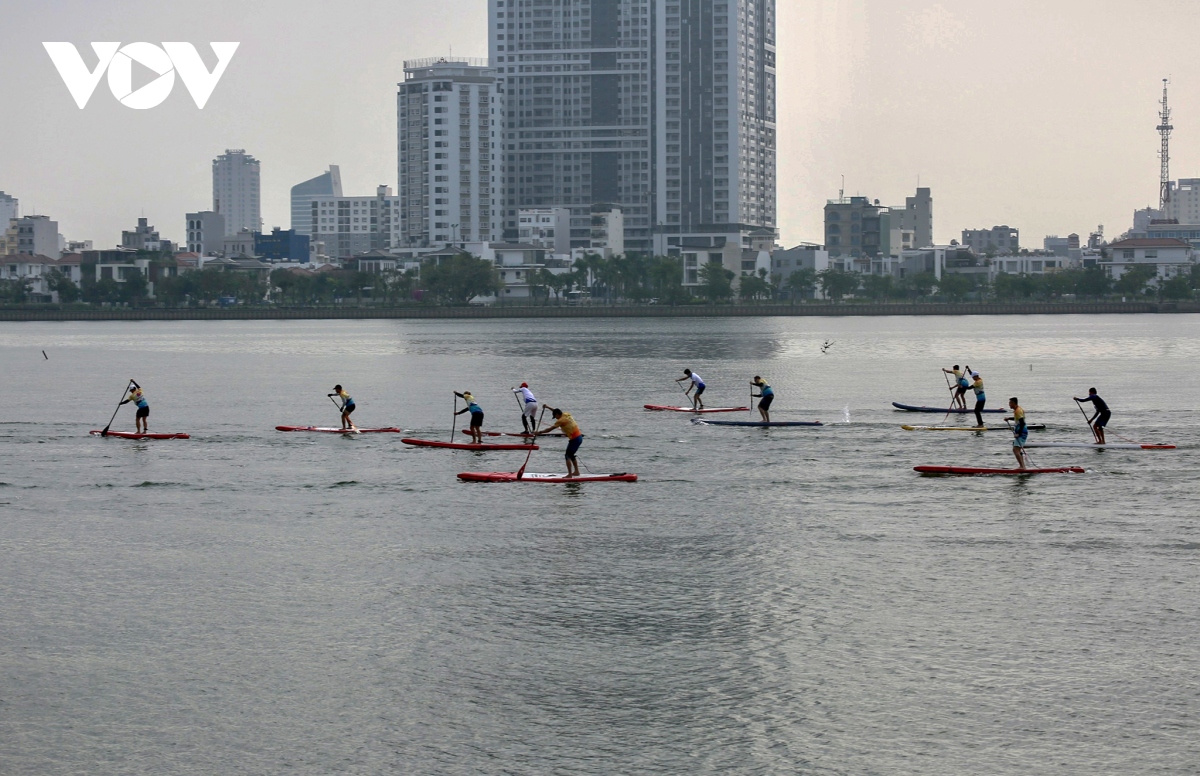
[[698, 384], [529, 408]]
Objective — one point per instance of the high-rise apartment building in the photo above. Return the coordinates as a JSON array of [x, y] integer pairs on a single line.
[[349, 226], [446, 119], [665, 109], [236, 191], [918, 217], [327, 184], [1184, 204], [9, 209]]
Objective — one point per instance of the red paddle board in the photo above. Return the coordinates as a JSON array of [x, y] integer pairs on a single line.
[[330, 430], [543, 477], [971, 470], [135, 435], [665, 408], [465, 445]]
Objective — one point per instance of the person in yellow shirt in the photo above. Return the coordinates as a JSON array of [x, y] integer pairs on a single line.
[[564, 421], [347, 406], [143, 407], [980, 398], [1020, 430]]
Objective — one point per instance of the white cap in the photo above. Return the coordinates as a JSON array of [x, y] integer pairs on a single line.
[[974, 374]]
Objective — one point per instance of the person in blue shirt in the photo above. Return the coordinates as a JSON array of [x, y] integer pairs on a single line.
[[143, 407], [766, 395], [1020, 431], [980, 398], [959, 399], [476, 415]]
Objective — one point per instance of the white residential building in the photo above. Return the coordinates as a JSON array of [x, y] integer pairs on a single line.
[[446, 114], [1184, 204], [608, 230], [327, 184], [34, 235], [35, 271], [205, 232], [237, 194], [348, 226], [1168, 256], [549, 227]]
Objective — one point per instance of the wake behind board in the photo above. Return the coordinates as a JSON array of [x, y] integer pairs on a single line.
[[466, 445], [135, 435], [331, 430], [757, 423], [544, 477], [913, 408], [979, 471], [1031, 427], [665, 408], [1096, 445]]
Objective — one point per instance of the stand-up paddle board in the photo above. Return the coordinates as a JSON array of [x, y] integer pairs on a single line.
[[330, 430], [465, 445], [135, 435], [972, 470], [913, 408], [543, 477], [1098, 446], [1031, 427], [757, 423], [523, 434], [665, 408]]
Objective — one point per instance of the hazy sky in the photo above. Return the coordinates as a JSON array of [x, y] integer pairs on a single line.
[[1039, 115]]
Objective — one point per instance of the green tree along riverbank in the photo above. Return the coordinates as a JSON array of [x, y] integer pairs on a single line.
[[625, 281]]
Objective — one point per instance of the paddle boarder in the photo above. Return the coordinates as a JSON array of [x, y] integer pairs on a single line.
[[960, 387], [529, 408], [347, 406], [980, 398], [1102, 416], [564, 421], [476, 415], [765, 394], [138, 397], [698, 384], [1020, 430]]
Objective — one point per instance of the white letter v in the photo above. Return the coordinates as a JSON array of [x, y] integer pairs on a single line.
[[74, 72], [199, 82]]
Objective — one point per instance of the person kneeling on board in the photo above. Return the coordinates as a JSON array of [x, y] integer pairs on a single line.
[[347, 406], [1102, 416], [529, 408], [564, 421], [476, 415], [698, 384], [766, 394], [1020, 430], [980, 398], [143, 407]]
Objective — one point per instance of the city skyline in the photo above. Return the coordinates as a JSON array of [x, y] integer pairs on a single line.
[[996, 140]]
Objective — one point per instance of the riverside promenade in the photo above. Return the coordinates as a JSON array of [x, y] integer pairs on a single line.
[[249, 313]]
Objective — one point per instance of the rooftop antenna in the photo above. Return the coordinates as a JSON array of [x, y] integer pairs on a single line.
[[1164, 131]]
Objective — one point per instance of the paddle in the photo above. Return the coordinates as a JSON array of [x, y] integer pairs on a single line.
[[1086, 420], [520, 407], [521, 471], [104, 432], [453, 415]]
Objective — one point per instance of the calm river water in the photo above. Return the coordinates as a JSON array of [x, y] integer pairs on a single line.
[[775, 602]]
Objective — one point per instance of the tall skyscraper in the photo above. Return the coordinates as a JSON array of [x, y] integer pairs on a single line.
[[327, 184], [236, 191], [578, 118], [445, 113], [663, 107]]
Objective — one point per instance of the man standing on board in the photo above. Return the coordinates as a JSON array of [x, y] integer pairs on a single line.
[[143, 407], [529, 408], [698, 384], [960, 387], [1020, 431], [1102, 416], [980, 398], [564, 421], [766, 394], [347, 407], [476, 415]]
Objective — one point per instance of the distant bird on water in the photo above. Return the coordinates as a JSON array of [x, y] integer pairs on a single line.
[[828, 344]]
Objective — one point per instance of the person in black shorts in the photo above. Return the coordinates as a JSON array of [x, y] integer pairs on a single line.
[[476, 415], [766, 395], [1102, 416]]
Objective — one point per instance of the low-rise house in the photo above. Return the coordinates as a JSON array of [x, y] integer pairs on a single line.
[[35, 270], [1168, 256]]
